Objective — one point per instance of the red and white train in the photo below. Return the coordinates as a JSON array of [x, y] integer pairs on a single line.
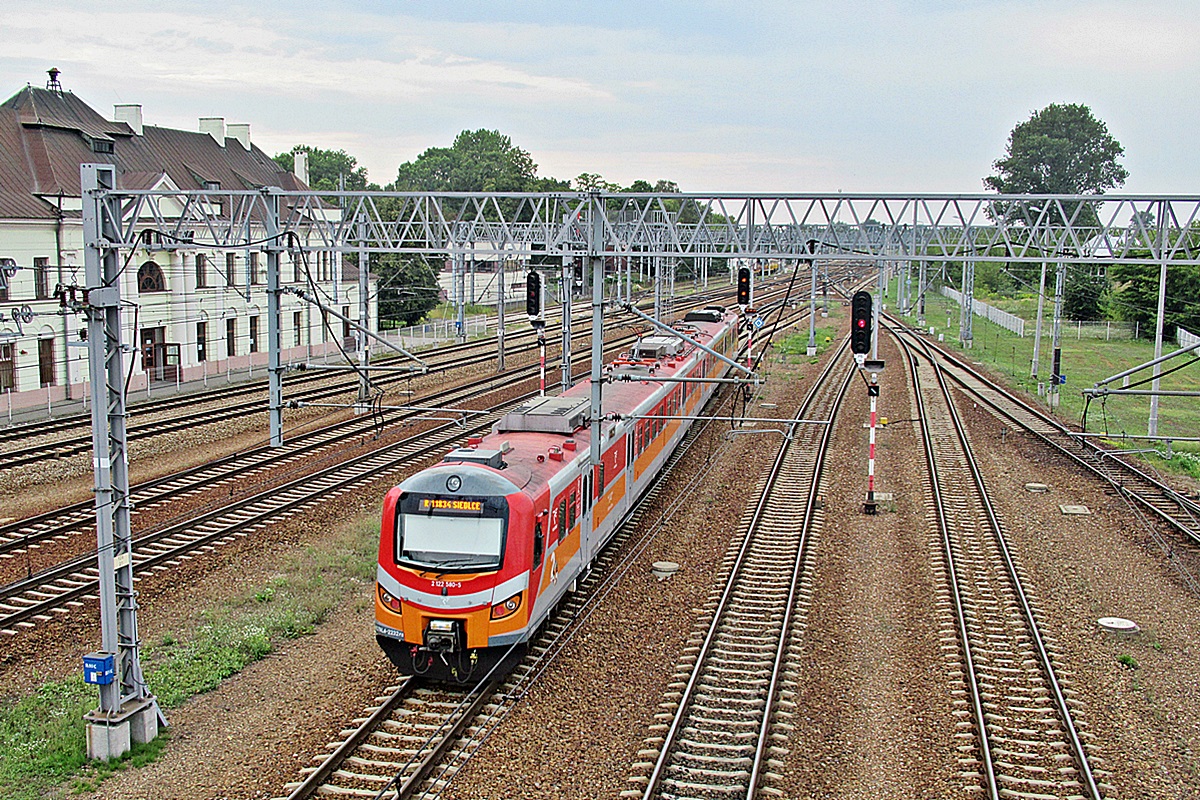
[[475, 552]]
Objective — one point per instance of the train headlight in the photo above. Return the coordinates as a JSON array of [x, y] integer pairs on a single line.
[[389, 601], [507, 608]]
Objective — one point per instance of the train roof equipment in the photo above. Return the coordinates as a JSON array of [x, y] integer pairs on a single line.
[[656, 348], [548, 415]]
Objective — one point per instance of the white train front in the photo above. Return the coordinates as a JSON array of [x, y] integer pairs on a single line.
[[475, 553]]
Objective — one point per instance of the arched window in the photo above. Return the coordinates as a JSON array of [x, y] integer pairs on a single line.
[[150, 278]]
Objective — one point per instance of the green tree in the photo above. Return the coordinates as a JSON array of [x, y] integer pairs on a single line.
[[593, 182], [1084, 293], [325, 168], [478, 161], [408, 289], [1062, 149]]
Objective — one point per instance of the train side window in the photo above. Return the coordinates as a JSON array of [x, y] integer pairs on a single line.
[[572, 510], [538, 547], [587, 492], [562, 519]]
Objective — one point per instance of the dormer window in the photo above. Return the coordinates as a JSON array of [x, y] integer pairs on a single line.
[[101, 146], [212, 186]]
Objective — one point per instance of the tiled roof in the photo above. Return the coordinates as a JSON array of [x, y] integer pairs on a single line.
[[45, 136]]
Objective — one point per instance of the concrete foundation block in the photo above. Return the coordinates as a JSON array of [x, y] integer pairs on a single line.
[[107, 740], [143, 725], [111, 735]]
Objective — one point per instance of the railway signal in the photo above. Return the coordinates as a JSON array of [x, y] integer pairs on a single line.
[[533, 307], [533, 294], [743, 287], [860, 323]]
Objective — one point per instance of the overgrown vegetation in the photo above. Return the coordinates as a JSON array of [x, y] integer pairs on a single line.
[[42, 739]]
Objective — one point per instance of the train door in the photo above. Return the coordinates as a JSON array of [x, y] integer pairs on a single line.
[[541, 529]]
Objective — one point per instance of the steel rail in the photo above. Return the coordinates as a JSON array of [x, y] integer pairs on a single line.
[[16, 536], [309, 786], [688, 693], [555, 634], [1047, 667], [82, 583], [952, 574], [525, 341], [1103, 456]]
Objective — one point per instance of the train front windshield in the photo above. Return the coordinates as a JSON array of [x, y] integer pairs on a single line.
[[451, 534]]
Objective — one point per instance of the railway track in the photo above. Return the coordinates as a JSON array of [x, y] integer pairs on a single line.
[[19, 536], [59, 589], [1018, 728], [72, 435], [56, 590], [251, 399], [1179, 512], [719, 728], [369, 758]]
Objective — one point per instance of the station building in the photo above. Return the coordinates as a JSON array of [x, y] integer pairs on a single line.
[[191, 314]]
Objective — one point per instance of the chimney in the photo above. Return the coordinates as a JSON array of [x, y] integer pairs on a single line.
[[300, 168], [214, 127], [241, 132], [131, 115]]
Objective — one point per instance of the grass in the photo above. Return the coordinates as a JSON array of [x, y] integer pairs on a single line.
[[42, 739], [1127, 661], [1084, 362], [797, 343]]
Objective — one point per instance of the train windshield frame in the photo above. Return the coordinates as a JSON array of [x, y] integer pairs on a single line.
[[451, 534]]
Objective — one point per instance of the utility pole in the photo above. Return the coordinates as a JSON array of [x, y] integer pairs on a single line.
[[274, 365], [1037, 333], [566, 289], [1056, 379], [128, 712], [364, 317], [966, 321], [1160, 319], [500, 318]]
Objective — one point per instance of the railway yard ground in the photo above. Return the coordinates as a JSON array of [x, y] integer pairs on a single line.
[[263, 650]]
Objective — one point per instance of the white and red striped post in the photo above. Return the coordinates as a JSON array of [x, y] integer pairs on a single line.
[[873, 392], [541, 332]]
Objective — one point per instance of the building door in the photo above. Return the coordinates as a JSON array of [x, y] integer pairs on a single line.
[[8, 367], [46, 361], [152, 340], [166, 362]]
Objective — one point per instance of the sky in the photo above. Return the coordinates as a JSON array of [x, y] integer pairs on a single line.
[[772, 96]]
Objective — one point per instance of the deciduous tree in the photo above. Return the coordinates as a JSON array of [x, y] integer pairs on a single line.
[[325, 168], [1062, 149]]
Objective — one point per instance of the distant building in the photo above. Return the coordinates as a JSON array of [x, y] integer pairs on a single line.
[[191, 312]]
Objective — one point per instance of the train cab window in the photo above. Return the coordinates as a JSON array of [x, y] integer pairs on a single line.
[[538, 546], [587, 492], [572, 510], [562, 519]]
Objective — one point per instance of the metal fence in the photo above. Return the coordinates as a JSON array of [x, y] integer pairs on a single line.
[[992, 314], [1100, 329]]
